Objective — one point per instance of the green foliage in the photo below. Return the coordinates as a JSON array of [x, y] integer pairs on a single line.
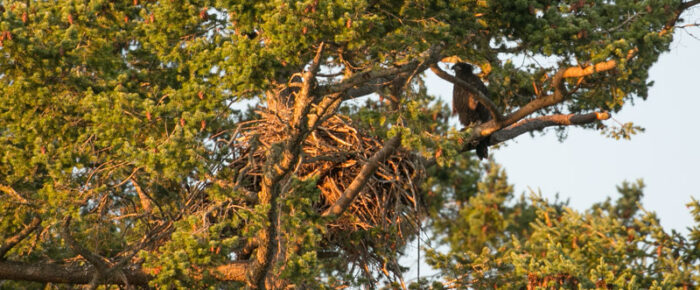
[[495, 241], [126, 117], [302, 225], [624, 131]]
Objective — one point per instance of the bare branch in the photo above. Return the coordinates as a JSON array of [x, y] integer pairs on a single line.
[[529, 125], [303, 100], [11, 192], [368, 88], [539, 123], [689, 4], [576, 72], [14, 240], [559, 94], [62, 273], [360, 180], [485, 100]]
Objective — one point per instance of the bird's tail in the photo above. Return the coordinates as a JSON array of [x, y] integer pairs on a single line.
[[482, 149]]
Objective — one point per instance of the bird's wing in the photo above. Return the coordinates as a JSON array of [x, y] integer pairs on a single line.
[[459, 100], [476, 82]]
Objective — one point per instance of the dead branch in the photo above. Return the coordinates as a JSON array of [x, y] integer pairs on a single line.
[[365, 89], [539, 123], [342, 203]]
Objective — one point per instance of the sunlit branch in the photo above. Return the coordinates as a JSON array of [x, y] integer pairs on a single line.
[[539, 123], [361, 179]]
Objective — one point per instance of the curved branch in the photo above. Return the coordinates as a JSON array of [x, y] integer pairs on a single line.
[[344, 201], [14, 240], [488, 103]]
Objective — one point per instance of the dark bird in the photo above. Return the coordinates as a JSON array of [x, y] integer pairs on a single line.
[[467, 106]]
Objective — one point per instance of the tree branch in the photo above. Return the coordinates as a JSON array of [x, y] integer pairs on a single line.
[[368, 88], [559, 94], [574, 72], [84, 274], [11, 191], [360, 180], [65, 273], [99, 262], [485, 100], [539, 123], [304, 98], [235, 271], [280, 160], [366, 77], [529, 125], [14, 240], [577, 72]]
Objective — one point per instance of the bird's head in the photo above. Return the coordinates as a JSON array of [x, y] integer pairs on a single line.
[[462, 67]]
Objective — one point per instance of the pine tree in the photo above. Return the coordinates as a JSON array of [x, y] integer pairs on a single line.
[[535, 243], [203, 143]]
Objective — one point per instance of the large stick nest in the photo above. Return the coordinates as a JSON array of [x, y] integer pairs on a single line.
[[335, 152]]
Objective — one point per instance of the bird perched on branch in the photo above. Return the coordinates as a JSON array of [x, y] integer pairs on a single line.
[[467, 106]]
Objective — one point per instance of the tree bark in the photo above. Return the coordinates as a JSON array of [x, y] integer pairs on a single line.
[[66, 273], [344, 201]]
